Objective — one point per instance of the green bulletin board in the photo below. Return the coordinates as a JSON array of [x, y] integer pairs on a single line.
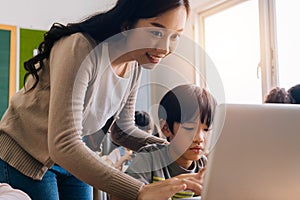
[[4, 69], [29, 40], [8, 35]]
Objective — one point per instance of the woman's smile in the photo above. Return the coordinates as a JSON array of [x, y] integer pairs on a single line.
[[154, 58]]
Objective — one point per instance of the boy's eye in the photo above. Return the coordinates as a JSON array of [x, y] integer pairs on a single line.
[[207, 129], [188, 128]]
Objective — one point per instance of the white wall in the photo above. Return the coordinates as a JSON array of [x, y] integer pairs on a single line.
[[41, 14]]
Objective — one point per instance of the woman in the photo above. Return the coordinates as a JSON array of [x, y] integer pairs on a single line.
[[82, 81]]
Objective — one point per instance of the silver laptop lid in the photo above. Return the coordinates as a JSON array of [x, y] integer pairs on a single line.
[[257, 156]]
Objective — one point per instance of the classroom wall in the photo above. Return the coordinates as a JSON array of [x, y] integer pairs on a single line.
[[41, 14]]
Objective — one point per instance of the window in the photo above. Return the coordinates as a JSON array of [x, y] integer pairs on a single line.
[[232, 43], [288, 42], [253, 45]]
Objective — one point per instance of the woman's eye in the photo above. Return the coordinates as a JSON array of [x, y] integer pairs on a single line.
[[157, 33]]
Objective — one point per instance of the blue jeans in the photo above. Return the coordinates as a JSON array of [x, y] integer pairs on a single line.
[[57, 184]]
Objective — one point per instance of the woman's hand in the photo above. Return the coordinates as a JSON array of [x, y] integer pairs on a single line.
[[163, 190]]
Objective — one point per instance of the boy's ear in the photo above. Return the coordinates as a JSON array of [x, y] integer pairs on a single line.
[[164, 127]]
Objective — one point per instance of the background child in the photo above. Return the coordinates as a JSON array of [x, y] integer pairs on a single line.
[[294, 93], [144, 121], [185, 113], [280, 95], [277, 95]]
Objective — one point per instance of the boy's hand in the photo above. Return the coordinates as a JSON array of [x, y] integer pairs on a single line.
[[194, 177], [165, 189]]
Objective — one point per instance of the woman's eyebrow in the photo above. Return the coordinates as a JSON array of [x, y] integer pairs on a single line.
[[157, 25], [162, 26]]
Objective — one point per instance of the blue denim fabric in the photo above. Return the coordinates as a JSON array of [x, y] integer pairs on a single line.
[[57, 184]]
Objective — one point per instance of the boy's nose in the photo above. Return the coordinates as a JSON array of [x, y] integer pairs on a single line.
[[199, 137]]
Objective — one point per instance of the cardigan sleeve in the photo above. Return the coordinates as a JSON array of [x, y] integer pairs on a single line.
[[71, 70]]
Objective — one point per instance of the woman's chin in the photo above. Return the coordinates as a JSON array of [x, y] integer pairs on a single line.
[[149, 66]]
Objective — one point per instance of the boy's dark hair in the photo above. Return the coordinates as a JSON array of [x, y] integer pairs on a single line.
[[187, 103]]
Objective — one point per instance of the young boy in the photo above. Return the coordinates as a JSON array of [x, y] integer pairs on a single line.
[[185, 113]]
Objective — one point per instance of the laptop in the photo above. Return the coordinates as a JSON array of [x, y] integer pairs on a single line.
[[256, 156]]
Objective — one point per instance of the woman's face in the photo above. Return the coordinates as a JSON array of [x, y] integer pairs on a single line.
[[153, 39]]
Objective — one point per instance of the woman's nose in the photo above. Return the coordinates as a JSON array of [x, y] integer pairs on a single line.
[[165, 45]]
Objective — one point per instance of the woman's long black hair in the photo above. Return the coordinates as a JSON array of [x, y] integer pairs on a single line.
[[101, 26]]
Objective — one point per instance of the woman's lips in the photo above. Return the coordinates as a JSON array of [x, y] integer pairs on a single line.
[[154, 59]]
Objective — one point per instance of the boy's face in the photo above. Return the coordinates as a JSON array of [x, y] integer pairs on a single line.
[[188, 141]]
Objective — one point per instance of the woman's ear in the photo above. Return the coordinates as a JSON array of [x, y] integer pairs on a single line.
[[164, 127], [125, 28]]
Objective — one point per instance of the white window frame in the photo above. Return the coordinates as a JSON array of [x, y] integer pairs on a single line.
[[268, 64]]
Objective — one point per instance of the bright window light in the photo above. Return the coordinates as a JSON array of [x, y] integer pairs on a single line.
[[288, 41], [232, 42]]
